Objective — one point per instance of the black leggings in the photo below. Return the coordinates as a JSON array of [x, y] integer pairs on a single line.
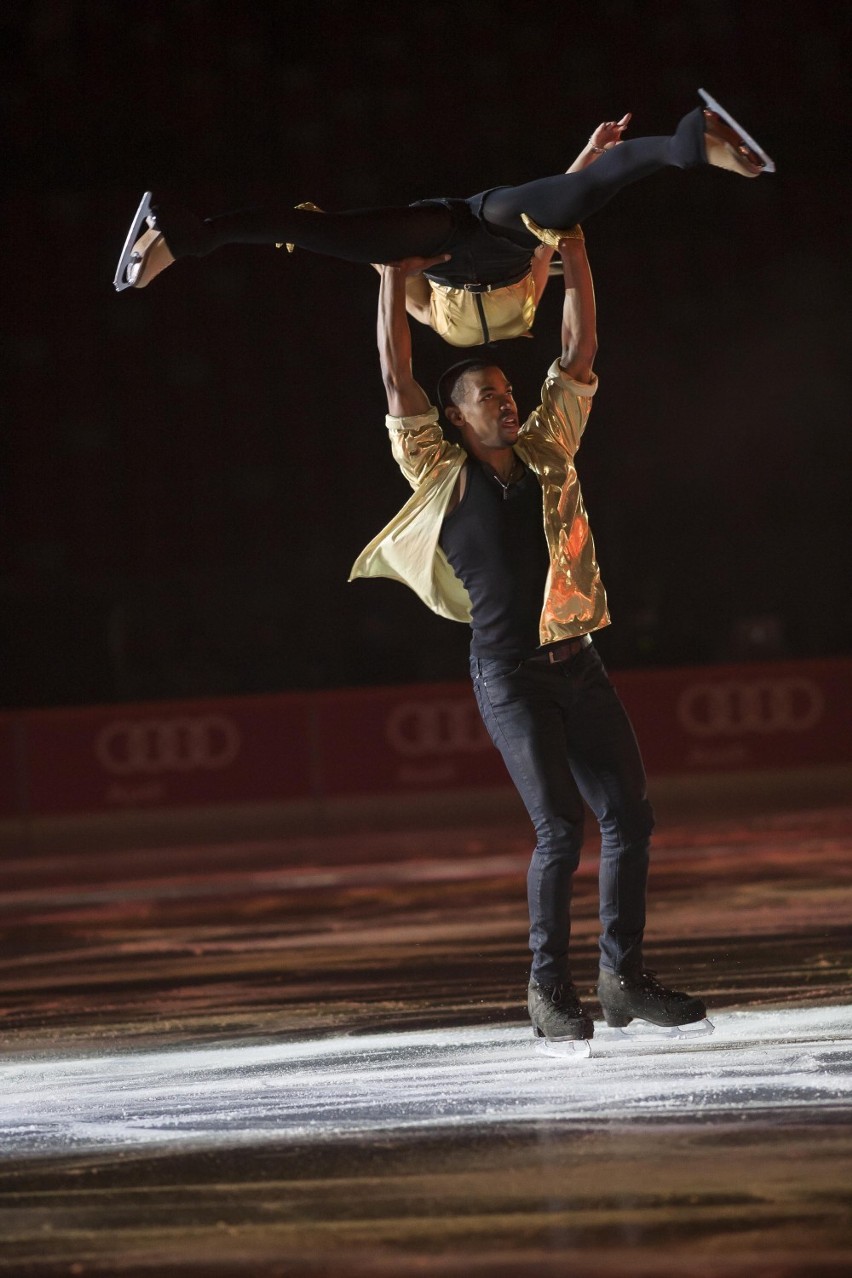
[[424, 230]]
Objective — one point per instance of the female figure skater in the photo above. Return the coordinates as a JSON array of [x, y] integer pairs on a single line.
[[492, 279]]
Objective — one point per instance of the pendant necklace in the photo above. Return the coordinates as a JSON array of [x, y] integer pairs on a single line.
[[508, 482]]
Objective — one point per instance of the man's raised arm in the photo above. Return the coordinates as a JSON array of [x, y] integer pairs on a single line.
[[579, 331], [603, 138], [406, 398]]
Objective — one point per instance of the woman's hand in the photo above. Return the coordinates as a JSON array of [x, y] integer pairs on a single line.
[[608, 135]]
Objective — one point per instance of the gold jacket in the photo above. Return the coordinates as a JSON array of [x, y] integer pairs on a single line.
[[408, 549]]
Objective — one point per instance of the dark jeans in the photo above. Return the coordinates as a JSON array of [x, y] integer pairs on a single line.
[[565, 736]]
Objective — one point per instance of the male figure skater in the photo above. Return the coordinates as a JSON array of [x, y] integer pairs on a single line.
[[496, 535], [491, 276]]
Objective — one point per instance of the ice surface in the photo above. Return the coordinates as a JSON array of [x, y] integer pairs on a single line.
[[756, 1062]]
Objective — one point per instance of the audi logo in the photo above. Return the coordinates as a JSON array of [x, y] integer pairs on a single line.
[[149, 746], [418, 728], [735, 707]]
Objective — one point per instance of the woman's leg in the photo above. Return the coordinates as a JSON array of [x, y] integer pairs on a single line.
[[357, 235], [423, 230], [566, 198]]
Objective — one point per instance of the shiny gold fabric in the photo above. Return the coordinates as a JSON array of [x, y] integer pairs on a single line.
[[509, 312], [549, 235], [408, 549]]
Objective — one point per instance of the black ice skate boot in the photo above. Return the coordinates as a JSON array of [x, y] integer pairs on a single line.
[[557, 1014], [625, 995]]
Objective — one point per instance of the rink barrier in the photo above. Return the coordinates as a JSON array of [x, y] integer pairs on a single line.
[[397, 741]]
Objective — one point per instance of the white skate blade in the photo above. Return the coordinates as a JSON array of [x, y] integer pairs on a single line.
[[577, 1049], [140, 220], [713, 105], [645, 1032]]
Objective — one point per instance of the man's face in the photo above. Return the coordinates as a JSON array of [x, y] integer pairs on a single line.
[[487, 411]]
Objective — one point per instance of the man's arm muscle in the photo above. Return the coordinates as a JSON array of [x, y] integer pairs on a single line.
[[579, 331], [406, 398]]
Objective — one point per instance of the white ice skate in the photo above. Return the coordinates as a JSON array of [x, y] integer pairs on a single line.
[[646, 1032], [567, 1049], [767, 165], [130, 262]]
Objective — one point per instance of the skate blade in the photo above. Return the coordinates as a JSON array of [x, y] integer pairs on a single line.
[[139, 221], [578, 1049], [713, 105], [645, 1032]]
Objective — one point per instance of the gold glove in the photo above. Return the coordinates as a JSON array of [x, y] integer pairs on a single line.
[[548, 235]]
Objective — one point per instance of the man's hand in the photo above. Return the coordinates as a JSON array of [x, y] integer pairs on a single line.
[[608, 135], [418, 291], [415, 265]]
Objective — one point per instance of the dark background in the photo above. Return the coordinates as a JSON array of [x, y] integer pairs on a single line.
[[189, 471]]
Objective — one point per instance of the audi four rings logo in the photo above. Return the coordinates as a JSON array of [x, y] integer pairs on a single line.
[[735, 707], [417, 728], [150, 746]]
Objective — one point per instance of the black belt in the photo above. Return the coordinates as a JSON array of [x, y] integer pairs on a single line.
[[481, 288], [563, 651]]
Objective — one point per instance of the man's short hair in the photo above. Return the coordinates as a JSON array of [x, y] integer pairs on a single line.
[[448, 385]]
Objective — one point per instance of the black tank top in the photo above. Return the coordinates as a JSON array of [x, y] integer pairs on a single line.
[[496, 545]]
